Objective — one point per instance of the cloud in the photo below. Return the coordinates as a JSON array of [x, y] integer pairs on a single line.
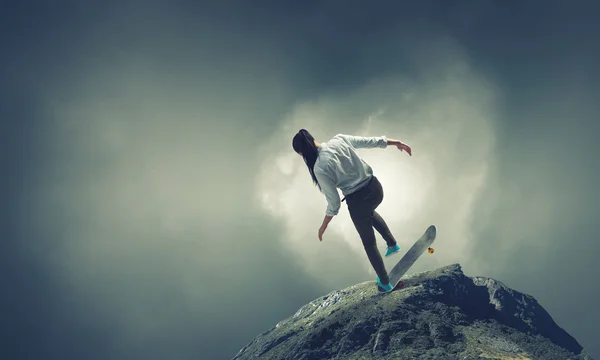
[[446, 115], [139, 207]]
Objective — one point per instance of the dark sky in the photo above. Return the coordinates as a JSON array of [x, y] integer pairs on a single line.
[[153, 207]]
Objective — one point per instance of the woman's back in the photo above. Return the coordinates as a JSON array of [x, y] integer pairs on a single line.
[[339, 161]]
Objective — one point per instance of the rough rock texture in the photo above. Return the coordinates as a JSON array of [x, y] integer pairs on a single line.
[[439, 314]]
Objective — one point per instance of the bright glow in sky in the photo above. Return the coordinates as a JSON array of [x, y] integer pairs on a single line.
[[448, 124]]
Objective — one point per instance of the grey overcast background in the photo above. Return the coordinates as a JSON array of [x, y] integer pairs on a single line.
[[153, 207]]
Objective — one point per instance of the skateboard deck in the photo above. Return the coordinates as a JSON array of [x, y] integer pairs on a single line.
[[418, 248]]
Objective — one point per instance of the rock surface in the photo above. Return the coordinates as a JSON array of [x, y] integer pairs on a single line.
[[439, 314]]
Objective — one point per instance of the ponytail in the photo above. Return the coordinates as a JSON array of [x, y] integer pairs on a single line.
[[304, 143]]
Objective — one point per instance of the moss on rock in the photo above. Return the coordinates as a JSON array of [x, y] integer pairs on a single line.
[[439, 314]]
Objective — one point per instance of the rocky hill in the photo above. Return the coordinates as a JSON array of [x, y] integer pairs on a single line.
[[439, 314]]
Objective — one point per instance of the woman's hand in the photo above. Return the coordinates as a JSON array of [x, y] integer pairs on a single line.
[[403, 147], [323, 227], [321, 231]]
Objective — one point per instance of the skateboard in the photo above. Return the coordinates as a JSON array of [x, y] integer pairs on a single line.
[[418, 248]]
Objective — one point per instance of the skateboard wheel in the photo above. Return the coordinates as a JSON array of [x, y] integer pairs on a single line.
[[401, 284], [430, 250]]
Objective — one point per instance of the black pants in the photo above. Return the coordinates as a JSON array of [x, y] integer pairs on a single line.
[[361, 206]]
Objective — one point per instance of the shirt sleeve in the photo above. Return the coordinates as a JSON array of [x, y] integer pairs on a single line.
[[359, 142], [329, 189]]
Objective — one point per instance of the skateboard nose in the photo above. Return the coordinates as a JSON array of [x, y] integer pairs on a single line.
[[431, 231]]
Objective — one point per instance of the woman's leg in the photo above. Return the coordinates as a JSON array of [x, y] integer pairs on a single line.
[[378, 222], [361, 207], [363, 222], [382, 228]]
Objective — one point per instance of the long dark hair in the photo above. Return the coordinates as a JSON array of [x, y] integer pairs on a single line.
[[304, 143]]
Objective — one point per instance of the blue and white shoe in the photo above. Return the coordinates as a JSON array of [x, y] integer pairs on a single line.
[[387, 287], [392, 250]]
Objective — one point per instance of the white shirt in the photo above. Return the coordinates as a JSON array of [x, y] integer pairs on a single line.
[[339, 166]]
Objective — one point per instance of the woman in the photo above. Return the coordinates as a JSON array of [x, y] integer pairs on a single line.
[[335, 164]]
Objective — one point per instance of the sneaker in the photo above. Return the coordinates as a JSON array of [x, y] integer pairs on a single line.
[[387, 287], [392, 250]]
